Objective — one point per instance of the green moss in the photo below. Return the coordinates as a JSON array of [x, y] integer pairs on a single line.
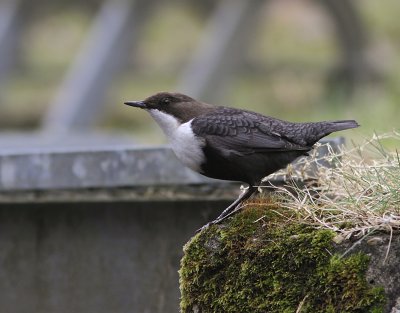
[[272, 265]]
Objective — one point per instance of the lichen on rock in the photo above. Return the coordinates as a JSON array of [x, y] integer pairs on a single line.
[[264, 260]]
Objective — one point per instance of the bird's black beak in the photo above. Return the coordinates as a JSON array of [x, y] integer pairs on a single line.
[[136, 104]]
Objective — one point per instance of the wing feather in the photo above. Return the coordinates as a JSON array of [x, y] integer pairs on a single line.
[[244, 132]]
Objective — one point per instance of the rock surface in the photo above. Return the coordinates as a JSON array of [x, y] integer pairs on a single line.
[[265, 260]]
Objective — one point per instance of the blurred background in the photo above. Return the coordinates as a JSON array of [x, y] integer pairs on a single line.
[[102, 229], [66, 67]]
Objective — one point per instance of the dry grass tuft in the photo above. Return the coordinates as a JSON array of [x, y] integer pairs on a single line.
[[358, 195]]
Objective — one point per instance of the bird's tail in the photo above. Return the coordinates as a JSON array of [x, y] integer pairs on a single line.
[[322, 129], [335, 126]]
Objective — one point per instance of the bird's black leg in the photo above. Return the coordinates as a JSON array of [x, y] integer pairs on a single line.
[[233, 208], [244, 196]]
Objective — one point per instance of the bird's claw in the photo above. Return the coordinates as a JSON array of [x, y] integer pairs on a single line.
[[205, 226]]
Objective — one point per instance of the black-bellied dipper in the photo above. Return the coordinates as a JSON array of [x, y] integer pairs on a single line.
[[232, 144]]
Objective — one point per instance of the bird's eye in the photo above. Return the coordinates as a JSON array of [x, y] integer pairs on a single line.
[[165, 100]]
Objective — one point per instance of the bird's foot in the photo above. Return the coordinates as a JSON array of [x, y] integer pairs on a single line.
[[219, 219], [232, 209], [204, 227]]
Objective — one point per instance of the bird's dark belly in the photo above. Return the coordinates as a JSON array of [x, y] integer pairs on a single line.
[[249, 168]]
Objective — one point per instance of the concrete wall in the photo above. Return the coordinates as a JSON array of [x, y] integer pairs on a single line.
[[95, 257]]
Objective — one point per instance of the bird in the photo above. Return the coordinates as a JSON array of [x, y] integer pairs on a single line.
[[232, 144]]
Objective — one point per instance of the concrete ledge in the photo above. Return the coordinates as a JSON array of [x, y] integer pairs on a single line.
[[105, 174], [94, 168]]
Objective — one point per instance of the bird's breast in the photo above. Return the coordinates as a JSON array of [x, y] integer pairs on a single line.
[[185, 144], [188, 147]]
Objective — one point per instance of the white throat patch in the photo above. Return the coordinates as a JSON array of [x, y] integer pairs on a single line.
[[186, 146]]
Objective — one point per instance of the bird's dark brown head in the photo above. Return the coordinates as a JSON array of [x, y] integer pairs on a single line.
[[182, 107]]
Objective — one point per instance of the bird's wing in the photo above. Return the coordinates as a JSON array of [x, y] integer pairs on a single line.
[[244, 132]]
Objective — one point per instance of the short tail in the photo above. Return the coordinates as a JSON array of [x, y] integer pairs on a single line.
[[322, 129], [335, 126]]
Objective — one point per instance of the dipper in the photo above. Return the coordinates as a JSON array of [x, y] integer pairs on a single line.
[[232, 144]]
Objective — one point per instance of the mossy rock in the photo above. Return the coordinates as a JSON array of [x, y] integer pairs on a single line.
[[265, 260]]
